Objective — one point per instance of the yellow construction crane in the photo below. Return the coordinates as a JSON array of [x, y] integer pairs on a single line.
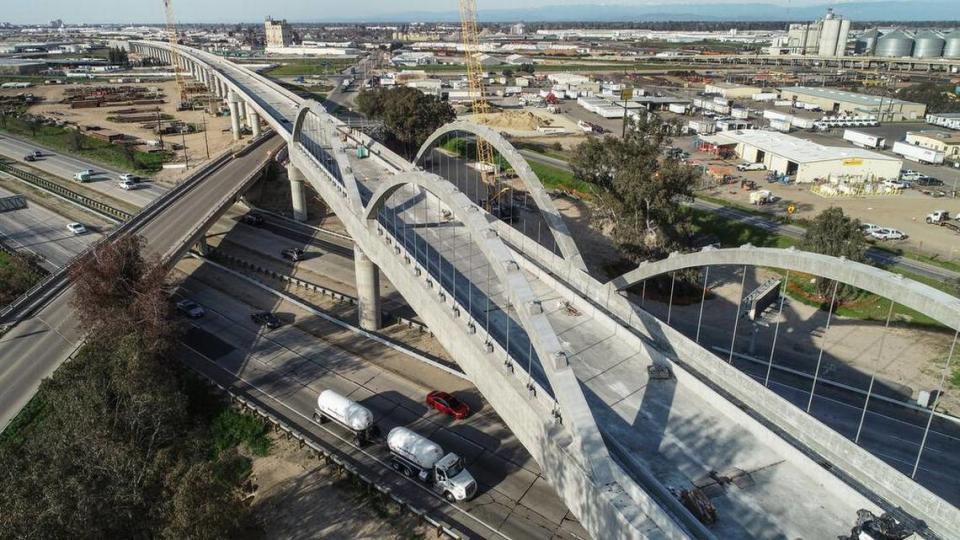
[[475, 73], [174, 40]]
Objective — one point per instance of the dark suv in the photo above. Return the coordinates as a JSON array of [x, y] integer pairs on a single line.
[[252, 219], [293, 254], [265, 318]]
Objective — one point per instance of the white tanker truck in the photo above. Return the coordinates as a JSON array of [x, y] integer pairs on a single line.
[[348, 414], [415, 455]]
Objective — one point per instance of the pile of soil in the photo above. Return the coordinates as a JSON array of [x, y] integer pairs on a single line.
[[520, 121]]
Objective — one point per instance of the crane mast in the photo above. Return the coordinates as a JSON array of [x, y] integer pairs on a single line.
[[475, 72], [174, 41]]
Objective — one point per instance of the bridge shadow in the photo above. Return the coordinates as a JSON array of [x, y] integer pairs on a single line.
[[890, 430]]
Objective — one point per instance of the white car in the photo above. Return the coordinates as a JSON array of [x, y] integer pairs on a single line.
[[128, 184], [76, 228], [888, 234], [869, 228], [127, 177], [896, 184], [751, 167]]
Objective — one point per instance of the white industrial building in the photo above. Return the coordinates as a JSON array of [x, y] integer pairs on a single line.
[[825, 37], [807, 161]]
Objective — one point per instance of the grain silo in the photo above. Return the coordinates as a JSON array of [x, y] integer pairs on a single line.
[[951, 48], [867, 42], [896, 44], [928, 44]]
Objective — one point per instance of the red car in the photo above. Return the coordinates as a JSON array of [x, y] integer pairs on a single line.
[[448, 404]]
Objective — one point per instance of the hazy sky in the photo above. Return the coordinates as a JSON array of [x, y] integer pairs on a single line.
[[229, 11]]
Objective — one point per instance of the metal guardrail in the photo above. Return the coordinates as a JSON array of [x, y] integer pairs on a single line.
[[300, 283], [46, 289], [329, 455], [48, 185]]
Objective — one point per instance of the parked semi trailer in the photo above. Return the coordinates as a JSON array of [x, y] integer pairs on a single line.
[[917, 153]]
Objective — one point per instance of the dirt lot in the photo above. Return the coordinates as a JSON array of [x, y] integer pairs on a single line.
[[524, 122], [298, 497], [218, 134]]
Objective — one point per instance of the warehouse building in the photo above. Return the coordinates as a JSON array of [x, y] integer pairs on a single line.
[[939, 141], [947, 120], [731, 91], [836, 101], [805, 160], [17, 66]]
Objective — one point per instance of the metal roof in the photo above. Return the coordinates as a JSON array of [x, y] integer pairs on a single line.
[[843, 95], [793, 148]]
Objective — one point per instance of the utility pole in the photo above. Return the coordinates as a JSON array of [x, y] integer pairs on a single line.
[[625, 94], [206, 146]]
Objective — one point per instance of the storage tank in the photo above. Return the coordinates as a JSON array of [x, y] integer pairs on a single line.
[[843, 37], [928, 44], [344, 410], [829, 32], [867, 42], [896, 44], [418, 449], [951, 48]]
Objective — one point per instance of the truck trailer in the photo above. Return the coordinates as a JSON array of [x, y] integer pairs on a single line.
[[864, 140], [917, 153], [417, 456], [348, 414]]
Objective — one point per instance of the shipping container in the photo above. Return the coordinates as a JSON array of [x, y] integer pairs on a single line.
[[783, 103], [802, 123], [775, 115], [677, 108], [765, 96], [737, 112]]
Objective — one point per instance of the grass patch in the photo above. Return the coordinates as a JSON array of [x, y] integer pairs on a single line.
[[731, 233], [555, 178], [933, 260], [305, 68], [67, 141], [18, 272], [231, 428]]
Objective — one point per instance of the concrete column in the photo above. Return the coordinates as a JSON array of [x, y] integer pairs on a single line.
[[202, 247], [254, 122], [297, 196], [368, 291], [234, 116], [243, 112]]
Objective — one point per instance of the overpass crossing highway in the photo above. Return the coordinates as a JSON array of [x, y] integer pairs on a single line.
[[33, 349], [564, 361], [452, 264]]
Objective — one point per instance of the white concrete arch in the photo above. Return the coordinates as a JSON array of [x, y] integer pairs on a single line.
[[935, 304], [520, 294], [558, 227], [329, 136]]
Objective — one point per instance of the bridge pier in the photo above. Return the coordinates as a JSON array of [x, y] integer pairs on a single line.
[[232, 102], [243, 112], [297, 195], [202, 247], [368, 291], [254, 122]]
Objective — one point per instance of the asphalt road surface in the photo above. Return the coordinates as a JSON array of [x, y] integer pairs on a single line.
[[34, 348], [105, 180], [39, 231]]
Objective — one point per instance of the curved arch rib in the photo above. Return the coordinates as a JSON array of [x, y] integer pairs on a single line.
[[551, 215], [520, 294], [935, 304], [337, 149]]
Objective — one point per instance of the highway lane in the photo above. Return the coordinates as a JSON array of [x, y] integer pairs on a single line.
[[54, 330], [292, 367], [105, 181], [44, 233], [883, 258]]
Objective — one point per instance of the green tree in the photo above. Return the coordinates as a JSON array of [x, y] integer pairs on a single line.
[[18, 272], [408, 115], [508, 73], [526, 68], [204, 504], [835, 234], [638, 190]]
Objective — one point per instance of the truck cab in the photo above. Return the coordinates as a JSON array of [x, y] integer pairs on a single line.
[[452, 479], [938, 216]]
